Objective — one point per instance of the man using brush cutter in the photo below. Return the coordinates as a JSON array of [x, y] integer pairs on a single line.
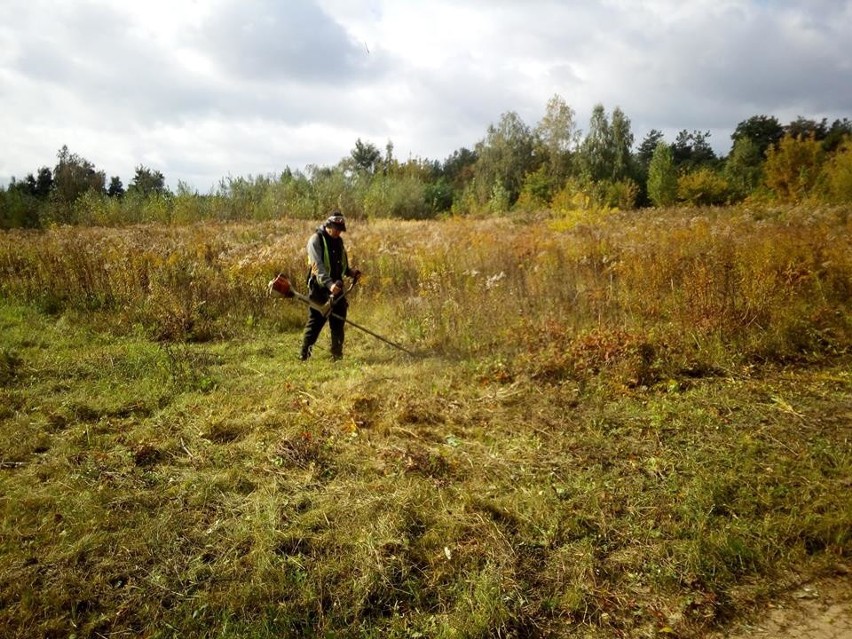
[[328, 264]]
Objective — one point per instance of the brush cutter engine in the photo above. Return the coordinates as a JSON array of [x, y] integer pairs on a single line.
[[280, 287]]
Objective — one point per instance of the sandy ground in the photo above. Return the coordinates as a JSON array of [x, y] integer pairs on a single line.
[[821, 610]]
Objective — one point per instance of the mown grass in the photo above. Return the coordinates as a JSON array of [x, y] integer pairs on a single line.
[[561, 461]]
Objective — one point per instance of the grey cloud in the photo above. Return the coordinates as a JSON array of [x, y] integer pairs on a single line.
[[270, 61], [95, 54], [763, 64], [269, 40], [713, 70]]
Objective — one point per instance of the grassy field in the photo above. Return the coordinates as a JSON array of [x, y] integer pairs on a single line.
[[629, 426]]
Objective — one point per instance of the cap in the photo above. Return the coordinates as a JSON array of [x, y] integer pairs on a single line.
[[336, 219]]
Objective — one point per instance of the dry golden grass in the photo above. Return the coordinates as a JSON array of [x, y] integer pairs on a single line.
[[688, 284]]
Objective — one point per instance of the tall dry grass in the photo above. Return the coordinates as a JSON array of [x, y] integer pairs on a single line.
[[660, 291]]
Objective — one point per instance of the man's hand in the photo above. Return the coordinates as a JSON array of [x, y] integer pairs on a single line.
[[336, 288], [355, 274]]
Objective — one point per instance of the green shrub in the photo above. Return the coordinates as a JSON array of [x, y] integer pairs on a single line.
[[793, 167], [837, 175], [703, 187], [399, 197]]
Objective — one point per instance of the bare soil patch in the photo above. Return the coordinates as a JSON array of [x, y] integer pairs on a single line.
[[820, 609]]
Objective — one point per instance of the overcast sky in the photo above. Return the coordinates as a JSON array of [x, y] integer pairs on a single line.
[[205, 89]]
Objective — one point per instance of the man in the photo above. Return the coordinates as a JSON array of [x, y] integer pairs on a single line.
[[328, 265]]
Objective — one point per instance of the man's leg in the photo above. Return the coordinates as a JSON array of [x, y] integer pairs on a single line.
[[316, 321], [337, 329]]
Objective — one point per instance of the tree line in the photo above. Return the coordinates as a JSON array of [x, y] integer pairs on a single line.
[[516, 167]]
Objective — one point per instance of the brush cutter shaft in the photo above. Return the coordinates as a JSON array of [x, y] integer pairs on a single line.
[[378, 337]]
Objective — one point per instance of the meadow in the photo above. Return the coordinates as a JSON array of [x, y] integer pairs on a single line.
[[629, 424]]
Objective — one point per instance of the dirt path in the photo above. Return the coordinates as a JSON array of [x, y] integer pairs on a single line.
[[821, 610]]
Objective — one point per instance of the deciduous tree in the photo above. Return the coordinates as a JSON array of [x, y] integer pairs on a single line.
[[662, 176], [793, 166], [605, 154], [597, 155], [744, 167], [558, 136], [504, 159], [73, 176], [622, 144], [366, 157]]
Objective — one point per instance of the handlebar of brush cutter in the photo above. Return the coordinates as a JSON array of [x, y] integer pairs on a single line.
[[334, 299]]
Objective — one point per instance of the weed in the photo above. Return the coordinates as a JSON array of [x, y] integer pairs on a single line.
[[188, 368]]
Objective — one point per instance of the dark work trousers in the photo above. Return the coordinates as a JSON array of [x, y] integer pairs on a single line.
[[316, 321]]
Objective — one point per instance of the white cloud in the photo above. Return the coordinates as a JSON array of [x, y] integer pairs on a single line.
[[203, 90]]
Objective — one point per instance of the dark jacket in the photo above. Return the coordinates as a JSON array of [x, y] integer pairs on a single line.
[[327, 260]]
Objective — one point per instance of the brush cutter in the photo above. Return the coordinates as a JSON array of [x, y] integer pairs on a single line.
[[281, 287]]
